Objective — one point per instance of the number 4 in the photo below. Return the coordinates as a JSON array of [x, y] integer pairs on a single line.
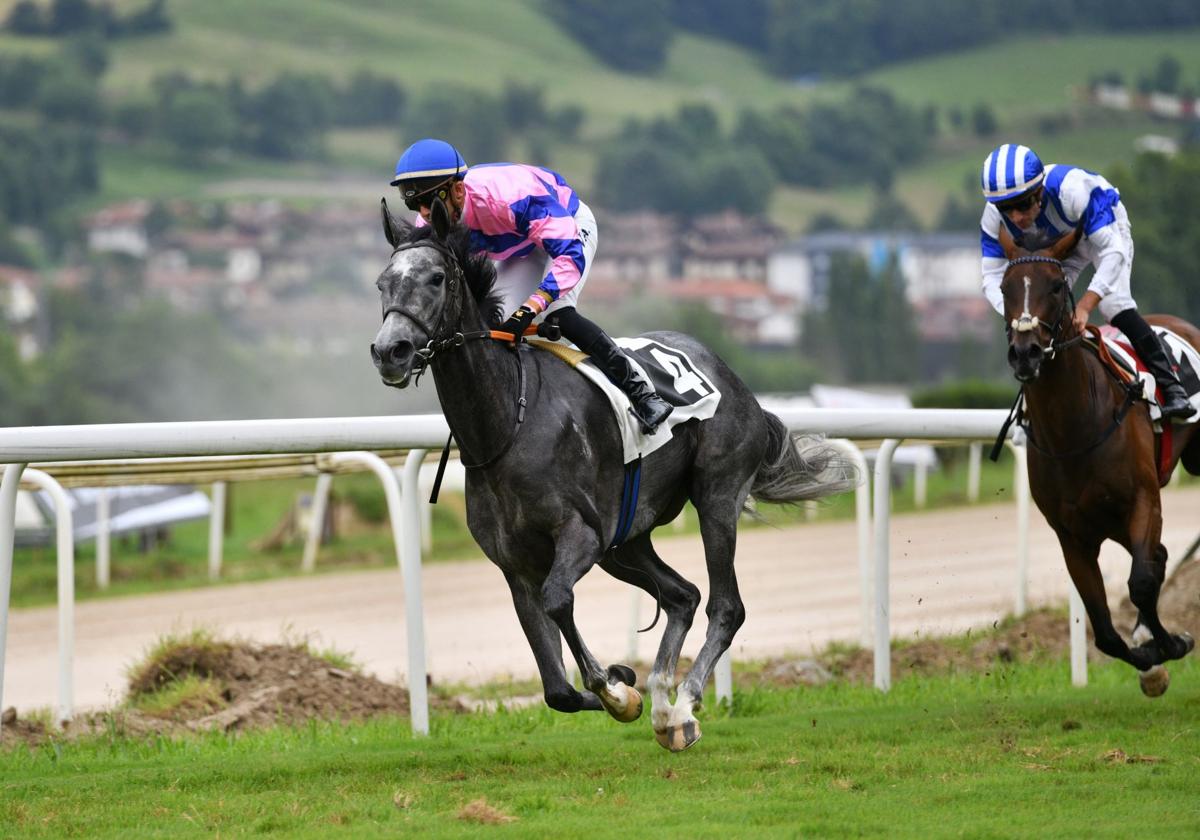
[[685, 379]]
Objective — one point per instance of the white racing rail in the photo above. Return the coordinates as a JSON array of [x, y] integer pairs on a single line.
[[20, 447]]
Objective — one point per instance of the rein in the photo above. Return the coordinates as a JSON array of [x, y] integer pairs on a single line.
[[437, 346], [1132, 388], [1027, 322]]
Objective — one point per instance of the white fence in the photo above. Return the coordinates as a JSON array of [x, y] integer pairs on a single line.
[[22, 446]]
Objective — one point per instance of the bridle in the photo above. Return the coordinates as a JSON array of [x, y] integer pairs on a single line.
[[454, 280], [440, 343], [1028, 322]]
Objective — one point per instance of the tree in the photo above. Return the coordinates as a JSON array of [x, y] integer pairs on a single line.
[[630, 35], [1162, 195], [66, 95], [290, 116], [866, 330], [198, 121], [25, 18], [983, 120], [1167, 74], [470, 119], [641, 173]]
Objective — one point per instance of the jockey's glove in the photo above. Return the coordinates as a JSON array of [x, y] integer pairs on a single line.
[[518, 322]]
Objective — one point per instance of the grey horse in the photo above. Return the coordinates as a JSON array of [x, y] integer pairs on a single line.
[[545, 474]]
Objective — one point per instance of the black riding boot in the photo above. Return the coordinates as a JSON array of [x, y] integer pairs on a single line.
[[648, 407], [1152, 351]]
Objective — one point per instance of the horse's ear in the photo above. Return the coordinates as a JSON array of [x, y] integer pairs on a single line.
[[1007, 243], [395, 230], [1064, 245], [439, 217]]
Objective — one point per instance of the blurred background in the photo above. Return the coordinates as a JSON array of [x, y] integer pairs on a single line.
[[189, 188]]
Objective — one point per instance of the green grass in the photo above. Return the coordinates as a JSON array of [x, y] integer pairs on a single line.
[[475, 43], [1040, 72], [1017, 752]]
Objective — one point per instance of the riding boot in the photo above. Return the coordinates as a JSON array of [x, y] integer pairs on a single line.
[[648, 407], [1174, 398], [1155, 356]]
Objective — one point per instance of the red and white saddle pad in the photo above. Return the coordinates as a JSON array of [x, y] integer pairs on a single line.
[[1183, 356]]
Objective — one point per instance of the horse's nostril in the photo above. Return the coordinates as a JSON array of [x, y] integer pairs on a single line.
[[399, 353], [1035, 352]]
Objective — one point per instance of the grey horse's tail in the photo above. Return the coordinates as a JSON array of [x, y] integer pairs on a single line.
[[800, 468]]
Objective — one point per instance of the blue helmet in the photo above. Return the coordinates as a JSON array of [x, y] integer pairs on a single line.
[[1009, 171], [428, 160]]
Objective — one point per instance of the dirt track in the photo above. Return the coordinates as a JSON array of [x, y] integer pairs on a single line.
[[950, 570]]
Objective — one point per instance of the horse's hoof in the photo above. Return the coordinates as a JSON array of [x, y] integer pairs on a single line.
[[1154, 681], [679, 738], [622, 673], [1188, 643], [630, 710]]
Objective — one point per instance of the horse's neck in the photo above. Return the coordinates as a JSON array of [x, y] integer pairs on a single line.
[[1069, 396], [478, 387]]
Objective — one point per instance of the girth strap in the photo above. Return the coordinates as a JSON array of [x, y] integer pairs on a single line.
[[629, 500]]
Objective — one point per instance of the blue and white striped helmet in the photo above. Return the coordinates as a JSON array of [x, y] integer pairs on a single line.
[[1009, 171]]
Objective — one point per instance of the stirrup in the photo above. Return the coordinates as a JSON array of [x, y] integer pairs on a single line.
[[650, 425], [1180, 412]]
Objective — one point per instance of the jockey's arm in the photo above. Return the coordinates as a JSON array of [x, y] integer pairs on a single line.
[[557, 234], [993, 259], [1110, 254], [1092, 200]]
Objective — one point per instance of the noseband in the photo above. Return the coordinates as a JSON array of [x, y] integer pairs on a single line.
[[1028, 322]]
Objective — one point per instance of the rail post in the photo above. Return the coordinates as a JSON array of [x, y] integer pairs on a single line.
[[8, 527], [883, 521]]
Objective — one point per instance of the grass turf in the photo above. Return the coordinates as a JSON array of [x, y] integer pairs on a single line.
[[1013, 752]]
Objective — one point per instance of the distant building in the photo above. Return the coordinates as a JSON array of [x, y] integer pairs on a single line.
[[934, 265], [19, 307], [728, 246], [635, 249], [120, 228]]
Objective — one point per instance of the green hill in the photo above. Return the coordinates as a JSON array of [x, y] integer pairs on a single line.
[[1033, 86]]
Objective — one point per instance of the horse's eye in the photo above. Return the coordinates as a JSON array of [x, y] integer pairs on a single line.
[[437, 278]]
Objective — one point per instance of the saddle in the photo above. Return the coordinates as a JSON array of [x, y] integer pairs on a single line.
[[675, 378], [1117, 354]]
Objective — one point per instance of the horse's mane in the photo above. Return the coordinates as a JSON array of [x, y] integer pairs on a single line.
[[1042, 240], [478, 271]]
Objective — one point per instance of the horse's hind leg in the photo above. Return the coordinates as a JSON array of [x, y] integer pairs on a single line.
[[726, 613], [576, 550], [546, 644], [637, 563]]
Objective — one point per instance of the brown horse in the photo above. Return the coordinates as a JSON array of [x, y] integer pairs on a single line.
[[1092, 453]]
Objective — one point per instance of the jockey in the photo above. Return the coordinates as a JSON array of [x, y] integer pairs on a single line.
[[513, 210], [1032, 199]]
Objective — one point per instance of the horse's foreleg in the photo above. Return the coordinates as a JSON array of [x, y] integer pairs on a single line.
[[637, 563], [546, 644], [576, 550], [1084, 568]]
